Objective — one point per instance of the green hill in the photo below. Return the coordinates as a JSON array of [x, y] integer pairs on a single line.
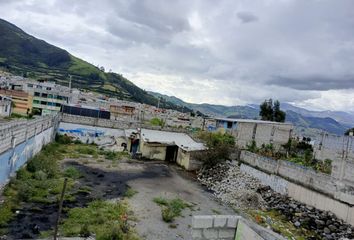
[[25, 55]]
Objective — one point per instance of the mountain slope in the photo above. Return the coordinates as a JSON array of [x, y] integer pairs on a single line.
[[301, 118], [341, 117], [213, 109], [23, 54]]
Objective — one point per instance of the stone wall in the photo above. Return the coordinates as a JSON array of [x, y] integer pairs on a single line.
[[228, 227], [22, 139]]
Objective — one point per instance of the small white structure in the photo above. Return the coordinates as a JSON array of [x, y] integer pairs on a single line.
[[170, 146], [5, 106]]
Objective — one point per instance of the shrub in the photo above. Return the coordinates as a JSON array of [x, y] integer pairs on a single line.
[[324, 166], [252, 147], [167, 214], [63, 139], [157, 122], [219, 147]]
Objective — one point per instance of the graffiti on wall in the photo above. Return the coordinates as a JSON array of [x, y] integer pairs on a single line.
[[106, 137], [13, 159]]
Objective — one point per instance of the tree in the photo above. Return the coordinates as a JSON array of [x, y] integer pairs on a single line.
[[219, 147], [279, 115], [266, 110], [347, 133], [270, 111]]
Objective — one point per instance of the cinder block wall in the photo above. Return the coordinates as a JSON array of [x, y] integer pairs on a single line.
[[214, 227], [229, 227]]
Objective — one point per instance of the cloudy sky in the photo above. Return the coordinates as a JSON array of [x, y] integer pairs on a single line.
[[228, 52]]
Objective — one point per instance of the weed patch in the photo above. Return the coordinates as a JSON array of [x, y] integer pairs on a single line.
[[171, 208], [130, 192], [104, 219]]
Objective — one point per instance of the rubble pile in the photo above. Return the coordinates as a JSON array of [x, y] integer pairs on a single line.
[[242, 191], [324, 223], [232, 186]]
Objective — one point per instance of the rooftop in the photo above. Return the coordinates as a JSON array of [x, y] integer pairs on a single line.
[[182, 140]]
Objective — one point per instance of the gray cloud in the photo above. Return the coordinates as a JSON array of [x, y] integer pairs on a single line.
[[203, 51], [247, 17]]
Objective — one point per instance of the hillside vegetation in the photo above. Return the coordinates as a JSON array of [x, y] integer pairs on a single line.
[[25, 55]]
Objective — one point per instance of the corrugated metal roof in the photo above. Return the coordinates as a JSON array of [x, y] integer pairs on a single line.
[[250, 121], [182, 140]]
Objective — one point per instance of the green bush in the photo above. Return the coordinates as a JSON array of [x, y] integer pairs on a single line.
[[219, 147], [252, 147], [157, 122]]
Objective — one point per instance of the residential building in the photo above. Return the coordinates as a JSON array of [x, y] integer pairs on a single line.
[[49, 101], [5, 106], [122, 112], [261, 132], [22, 101]]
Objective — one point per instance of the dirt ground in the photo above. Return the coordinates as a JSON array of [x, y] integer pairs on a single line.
[[168, 182], [110, 181]]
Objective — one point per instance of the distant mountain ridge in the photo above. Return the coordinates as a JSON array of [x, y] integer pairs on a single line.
[[331, 121]]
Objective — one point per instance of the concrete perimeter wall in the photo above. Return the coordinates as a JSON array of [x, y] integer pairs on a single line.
[[333, 202], [22, 139], [293, 172], [118, 124], [228, 227]]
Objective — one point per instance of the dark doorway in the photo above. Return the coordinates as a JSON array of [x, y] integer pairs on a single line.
[[171, 153]]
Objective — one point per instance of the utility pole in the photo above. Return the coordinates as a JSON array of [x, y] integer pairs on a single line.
[[158, 103], [60, 208], [70, 83]]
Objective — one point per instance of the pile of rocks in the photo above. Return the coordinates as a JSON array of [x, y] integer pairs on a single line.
[[242, 191], [324, 223], [232, 186]]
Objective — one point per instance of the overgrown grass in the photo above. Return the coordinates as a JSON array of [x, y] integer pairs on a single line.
[[40, 181], [104, 219], [72, 172], [277, 222], [171, 208]]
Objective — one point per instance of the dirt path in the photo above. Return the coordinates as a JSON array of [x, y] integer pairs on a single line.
[[168, 182]]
